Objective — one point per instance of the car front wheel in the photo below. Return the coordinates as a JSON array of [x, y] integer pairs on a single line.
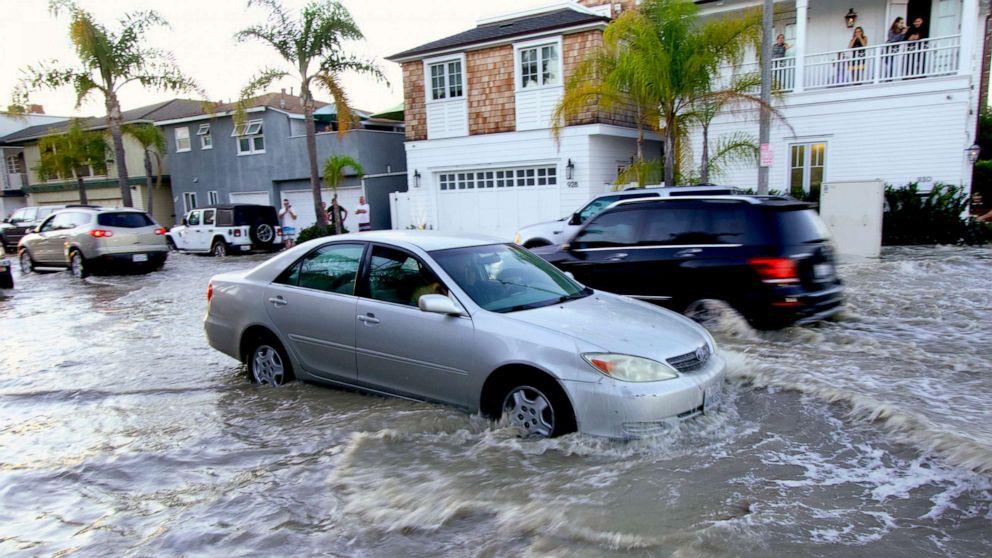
[[539, 408], [77, 265], [27, 264], [268, 363], [219, 249]]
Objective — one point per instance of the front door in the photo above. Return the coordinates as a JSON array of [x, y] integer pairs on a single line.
[[401, 349], [313, 304]]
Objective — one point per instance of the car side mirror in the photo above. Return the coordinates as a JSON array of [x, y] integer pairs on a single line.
[[185, 222], [440, 304], [575, 219], [6, 219]]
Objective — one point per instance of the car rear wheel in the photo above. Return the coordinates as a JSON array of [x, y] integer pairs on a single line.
[[219, 249], [268, 363], [27, 264], [539, 408], [77, 265], [171, 244]]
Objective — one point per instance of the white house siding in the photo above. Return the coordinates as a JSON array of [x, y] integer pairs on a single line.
[[897, 132], [502, 213]]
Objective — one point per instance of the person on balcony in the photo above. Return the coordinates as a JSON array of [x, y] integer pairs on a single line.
[[897, 33], [915, 39], [780, 47], [858, 44]]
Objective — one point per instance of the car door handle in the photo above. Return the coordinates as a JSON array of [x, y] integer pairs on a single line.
[[688, 252], [278, 301], [368, 318], [617, 257]]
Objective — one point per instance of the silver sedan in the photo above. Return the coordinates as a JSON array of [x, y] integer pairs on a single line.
[[470, 322]]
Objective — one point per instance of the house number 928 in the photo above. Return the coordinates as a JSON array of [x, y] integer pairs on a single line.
[[572, 184]]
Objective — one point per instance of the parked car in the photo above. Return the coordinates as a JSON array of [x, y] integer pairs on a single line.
[[224, 229], [86, 239], [24, 221], [6, 275], [466, 321], [562, 230], [770, 258]]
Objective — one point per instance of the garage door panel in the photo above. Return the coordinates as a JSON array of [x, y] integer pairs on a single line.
[[258, 198]]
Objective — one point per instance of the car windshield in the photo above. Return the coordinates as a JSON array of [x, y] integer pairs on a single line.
[[504, 278], [124, 220]]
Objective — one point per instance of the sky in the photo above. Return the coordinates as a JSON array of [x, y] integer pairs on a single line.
[[201, 37]]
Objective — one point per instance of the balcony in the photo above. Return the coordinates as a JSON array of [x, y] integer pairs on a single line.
[[15, 181]]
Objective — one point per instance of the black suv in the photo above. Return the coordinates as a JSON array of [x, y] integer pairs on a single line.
[[768, 257]]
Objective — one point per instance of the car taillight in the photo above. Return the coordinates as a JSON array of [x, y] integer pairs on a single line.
[[278, 231], [210, 291], [101, 233], [776, 270], [237, 232], [160, 231]]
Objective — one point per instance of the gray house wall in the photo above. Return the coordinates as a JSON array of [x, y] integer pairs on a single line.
[[283, 165]]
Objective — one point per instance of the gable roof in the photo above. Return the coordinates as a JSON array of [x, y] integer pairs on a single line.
[[505, 29], [166, 110]]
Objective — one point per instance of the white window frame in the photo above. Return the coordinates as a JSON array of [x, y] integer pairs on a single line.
[[251, 130], [498, 178], [807, 146], [428, 82], [206, 140], [189, 199], [213, 198], [180, 138], [518, 48]]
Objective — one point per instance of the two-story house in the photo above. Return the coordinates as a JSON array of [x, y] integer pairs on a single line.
[[102, 189], [264, 159], [478, 107], [14, 174], [898, 112]]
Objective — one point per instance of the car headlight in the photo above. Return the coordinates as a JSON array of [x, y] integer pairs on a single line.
[[630, 368]]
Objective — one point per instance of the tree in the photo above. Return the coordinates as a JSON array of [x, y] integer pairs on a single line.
[[334, 177], [75, 154], [312, 44], [739, 147], [152, 141], [108, 60], [660, 60]]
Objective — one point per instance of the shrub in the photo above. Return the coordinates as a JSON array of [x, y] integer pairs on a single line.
[[316, 231], [913, 217]]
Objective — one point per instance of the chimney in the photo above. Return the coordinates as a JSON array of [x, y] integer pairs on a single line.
[[36, 109], [291, 91], [284, 91]]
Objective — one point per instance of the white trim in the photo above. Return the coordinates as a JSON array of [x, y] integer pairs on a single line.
[[206, 137], [537, 44], [381, 174], [241, 132], [199, 117], [428, 84], [504, 41]]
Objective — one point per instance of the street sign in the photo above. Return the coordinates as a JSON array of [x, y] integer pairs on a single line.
[[767, 155]]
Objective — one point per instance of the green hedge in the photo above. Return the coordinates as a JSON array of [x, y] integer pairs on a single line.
[[316, 231], [913, 217]]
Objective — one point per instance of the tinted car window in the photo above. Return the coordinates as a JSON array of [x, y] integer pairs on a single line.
[[124, 220], [64, 221], [208, 216], [800, 227], [48, 225], [614, 228], [44, 212], [24, 214], [398, 277], [252, 214], [332, 268], [678, 224], [193, 219], [225, 217], [599, 204], [79, 219]]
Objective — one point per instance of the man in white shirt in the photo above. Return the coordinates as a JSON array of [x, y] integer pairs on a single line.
[[287, 220], [364, 218]]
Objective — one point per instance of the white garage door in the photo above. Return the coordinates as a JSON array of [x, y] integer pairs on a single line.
[[260, 198], [498, 201], [302, 202]]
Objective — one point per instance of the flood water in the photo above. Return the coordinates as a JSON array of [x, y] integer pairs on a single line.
[[123, 434]]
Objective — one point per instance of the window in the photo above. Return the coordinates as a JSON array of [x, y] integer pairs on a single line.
[[66, 221], [503, 178], [193, 219], [182, 139], [206, 141], [446, 80], [213, 198], [807, 162], [189, 200], [676, 224], [125, 220], [250, 136], [539, 66], [400, 278], [617, 228], [15, 164], [331, 268], [208, 216]]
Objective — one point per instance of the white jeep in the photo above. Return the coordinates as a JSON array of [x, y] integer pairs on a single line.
[[228, 229]]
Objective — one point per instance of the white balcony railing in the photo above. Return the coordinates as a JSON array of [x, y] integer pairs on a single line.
[[880, 63]]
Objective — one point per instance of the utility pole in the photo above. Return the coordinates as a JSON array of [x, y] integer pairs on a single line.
[[764, 125]]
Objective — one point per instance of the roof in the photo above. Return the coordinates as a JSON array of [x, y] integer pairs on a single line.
[[282, 101], [166, 110], [505, 29]]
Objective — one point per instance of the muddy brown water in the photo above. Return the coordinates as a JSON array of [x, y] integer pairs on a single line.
[[123, 434]]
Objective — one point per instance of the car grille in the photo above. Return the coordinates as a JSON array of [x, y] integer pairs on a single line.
[[691, 361]]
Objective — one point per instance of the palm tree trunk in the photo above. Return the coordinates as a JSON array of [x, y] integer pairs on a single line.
[[318, 203], [82, 190], [150, 202], [114, 121], [704, 167], [669, 150]]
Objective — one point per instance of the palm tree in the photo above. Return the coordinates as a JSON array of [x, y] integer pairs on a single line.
[[312, 45], [109, 60], [152, 141], [334, 177], [660, 60], [77, 153]]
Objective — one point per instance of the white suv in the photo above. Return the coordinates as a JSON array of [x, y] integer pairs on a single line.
[[562, 230], [224, 229]]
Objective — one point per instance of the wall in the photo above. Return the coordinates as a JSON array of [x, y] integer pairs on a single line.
[[377, 190], [827, 31], [490, 90], [414, 101]]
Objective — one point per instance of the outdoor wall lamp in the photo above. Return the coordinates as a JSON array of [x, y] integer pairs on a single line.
[[416, 178], [850, 18], [570, 170], [973, 152]]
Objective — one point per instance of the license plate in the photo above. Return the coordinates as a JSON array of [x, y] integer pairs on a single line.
[[823, 270], [139, 258], [245, 248], [712, 398]]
